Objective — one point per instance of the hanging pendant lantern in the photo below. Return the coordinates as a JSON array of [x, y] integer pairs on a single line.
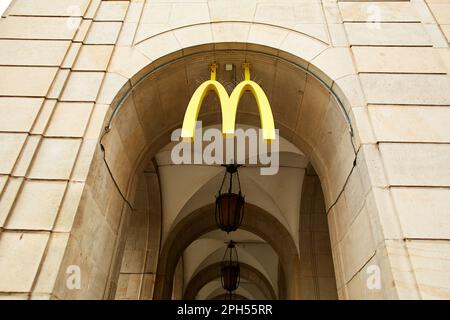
[[230, 270], [230, 205]]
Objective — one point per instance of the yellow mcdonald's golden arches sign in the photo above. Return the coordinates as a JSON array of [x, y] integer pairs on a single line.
[[229, 105]]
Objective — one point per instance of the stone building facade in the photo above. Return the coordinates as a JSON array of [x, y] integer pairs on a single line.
[[92, 208]]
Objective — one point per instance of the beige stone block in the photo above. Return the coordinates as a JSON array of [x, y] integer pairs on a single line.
[[82, 31], [399, 34], [92, 9], [127, 61], [349, 91], [64, 220], [431, 262], [410, 123], [32, 53], [357, 246], [185, 13], [96, 122], [232, 10], [378, 12], [26, 81], [423, 212], [159, 46], [135, 11], [338, 36], [20, 255], [383, 215], [37, 205], [289, 14], [45, 281], [112, 87], [43, 117], [18, 114], [441, 12], [85, 156], [58, 83], [154, 12], [363, 132], [149, 30], [406, 89], [267, 35], [397, 59], [126, 37], [416, 164], [435, 34], [93, 58], [60, 8], [230, 32], [8, 198], [112, 11], [82, 86], [26, 156], [10, 146], [69, 119], [446, 31], [103, 33], [302, 46], [39, 28], [193, 36], [326, 62], [71, 55], [3, 180], [55, 158]]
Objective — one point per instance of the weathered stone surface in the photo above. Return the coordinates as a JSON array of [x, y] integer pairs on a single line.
[[112, 11], [82, 86], [103, 33], [61, 8], [410, 123], [26, 81], [37, 205], [415, 164], [397, 60], [400, 34], [21, 255], [378, 12], [10, 146], [39, 28], [69, 119], [93, 58], [406, 89], [21, 113], [423, 212], [32, 53], [55, 159]]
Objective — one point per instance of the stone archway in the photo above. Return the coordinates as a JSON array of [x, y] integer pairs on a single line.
[[201, 221], [128, 144], [212, 272]]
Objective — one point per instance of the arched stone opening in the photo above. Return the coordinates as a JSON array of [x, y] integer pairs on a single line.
[[212, 272], [201, 221], [315, 122]]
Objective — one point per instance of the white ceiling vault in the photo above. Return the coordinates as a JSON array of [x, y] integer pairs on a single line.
[[185, 188]]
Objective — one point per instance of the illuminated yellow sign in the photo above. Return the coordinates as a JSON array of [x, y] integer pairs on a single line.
[[229, 105]]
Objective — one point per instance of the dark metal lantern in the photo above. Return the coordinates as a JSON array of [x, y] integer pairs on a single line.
[[230, 205], [230, 270]]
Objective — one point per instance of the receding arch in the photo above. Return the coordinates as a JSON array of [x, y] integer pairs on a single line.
[[202, 221], [212, 272]]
